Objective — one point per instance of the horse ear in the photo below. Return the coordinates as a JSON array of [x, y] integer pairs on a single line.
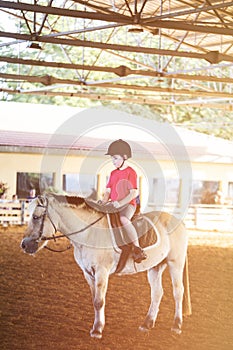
[[41, 200]]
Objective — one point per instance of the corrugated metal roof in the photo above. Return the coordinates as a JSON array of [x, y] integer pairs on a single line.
[[41, 140], [215, 150], [19, 132]]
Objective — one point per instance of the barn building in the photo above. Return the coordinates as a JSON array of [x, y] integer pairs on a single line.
[[63, 148]]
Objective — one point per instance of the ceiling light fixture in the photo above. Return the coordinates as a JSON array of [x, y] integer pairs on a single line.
[[135, 29], [33, 45]]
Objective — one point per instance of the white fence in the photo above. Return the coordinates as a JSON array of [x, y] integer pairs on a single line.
[[210, 217], [203, 217], [14, 213]]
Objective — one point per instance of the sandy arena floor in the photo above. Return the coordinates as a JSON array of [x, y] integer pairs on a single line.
[[46, 303]]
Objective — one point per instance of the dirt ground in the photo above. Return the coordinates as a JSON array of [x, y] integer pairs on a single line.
[[46, 303]]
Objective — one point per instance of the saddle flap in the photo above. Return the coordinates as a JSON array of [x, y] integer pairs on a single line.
[[146, 231], [144, 227]]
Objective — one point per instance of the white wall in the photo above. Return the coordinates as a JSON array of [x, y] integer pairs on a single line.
[[11, 163]]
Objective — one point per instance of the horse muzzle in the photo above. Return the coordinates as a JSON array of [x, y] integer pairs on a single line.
[[29, 245]]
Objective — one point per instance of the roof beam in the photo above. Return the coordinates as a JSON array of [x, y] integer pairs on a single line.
[[48, 80], [190, 12], [211, 56], [109, 17], [136, 99], [103, 14], [118, 18], [188, 26], [121, 71]]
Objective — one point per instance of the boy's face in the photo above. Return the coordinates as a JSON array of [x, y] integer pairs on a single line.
[[117, 160]]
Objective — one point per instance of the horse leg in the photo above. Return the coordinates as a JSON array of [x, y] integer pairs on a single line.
[[154, 276], [98, 283], [176, 272]]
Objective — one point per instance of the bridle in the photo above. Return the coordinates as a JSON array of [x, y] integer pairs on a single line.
[[43, 216], [53, 237]]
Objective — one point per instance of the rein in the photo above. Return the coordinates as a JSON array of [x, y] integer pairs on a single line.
[[43, 216], [58, 251], [72, 233]]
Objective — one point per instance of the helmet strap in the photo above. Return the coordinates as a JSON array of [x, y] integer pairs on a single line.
[[121, 164]]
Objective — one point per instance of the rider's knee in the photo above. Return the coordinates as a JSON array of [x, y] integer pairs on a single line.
[[124, 220]]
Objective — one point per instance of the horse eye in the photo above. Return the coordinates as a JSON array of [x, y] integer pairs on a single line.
[[35, 217]]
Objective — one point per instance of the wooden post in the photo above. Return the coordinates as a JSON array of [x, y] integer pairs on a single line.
[[22, 212], [98, 186]]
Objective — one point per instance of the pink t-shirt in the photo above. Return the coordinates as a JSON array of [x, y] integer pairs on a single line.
[[121, 182]]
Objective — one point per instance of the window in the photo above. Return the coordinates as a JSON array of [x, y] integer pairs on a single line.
[[164, 191], [230, 190], [172, 191], [28, 181], [79, 184], [203, 191]]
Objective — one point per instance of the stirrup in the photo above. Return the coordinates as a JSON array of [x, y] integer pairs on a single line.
[[138, 254]]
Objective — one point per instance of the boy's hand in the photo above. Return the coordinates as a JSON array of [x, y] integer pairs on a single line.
[[102, 202], [116, 204]]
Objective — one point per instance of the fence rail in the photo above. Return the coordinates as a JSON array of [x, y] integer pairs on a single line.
[[14, 213], [210, 217], [200, 216], [203, 216]]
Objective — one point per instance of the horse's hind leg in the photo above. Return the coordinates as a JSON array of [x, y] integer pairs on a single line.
[[176, 272], [154, 276]]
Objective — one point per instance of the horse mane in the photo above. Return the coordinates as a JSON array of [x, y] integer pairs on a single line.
[[74, 201]]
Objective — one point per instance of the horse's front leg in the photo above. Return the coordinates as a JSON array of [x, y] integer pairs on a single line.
[[98, 282]]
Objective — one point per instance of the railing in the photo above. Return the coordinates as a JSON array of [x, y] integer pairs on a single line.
[[203, 216], [14, 213], [200, 216], [210, 217]]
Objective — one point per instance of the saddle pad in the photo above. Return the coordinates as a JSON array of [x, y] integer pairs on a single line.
[[146, 233]]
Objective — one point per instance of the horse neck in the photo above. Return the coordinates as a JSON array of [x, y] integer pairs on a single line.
[[73, 219], [65, 217]]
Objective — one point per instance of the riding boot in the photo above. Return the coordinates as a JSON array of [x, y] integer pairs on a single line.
[[138, 254]]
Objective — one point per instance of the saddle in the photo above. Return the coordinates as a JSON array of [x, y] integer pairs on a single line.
[[146, 233]]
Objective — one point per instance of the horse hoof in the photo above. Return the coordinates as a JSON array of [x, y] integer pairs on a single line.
[[143, 329], [95, 334], [176, 328], [177, 331], [147, 325]]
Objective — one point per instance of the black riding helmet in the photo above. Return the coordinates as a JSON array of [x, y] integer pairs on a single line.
[[119, 147]]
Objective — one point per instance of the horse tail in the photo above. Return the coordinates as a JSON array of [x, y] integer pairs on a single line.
[[187, 307]]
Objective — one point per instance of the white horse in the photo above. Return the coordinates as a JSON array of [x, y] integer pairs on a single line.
[[95, 252]]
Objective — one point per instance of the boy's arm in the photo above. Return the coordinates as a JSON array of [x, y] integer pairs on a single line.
[[106, 195], [132, 194]]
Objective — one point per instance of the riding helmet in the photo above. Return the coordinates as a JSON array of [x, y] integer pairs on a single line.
[[119, 147]]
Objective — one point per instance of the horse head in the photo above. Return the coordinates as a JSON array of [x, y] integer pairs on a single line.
[[40, 223]]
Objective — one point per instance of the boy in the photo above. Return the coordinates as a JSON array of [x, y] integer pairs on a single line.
[[121, 189]]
